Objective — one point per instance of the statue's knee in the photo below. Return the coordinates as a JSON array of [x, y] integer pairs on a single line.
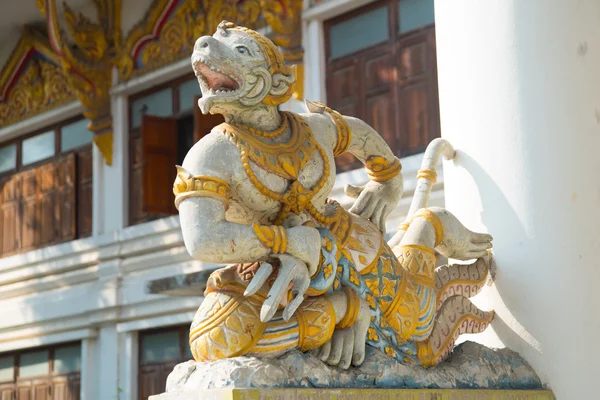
[[227, 324], [316, 322]]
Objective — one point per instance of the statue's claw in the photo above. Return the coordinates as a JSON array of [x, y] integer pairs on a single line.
[[259, 279], [291, 270]]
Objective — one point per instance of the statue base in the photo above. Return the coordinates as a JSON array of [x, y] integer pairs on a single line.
[[472, 371], [357, 394]]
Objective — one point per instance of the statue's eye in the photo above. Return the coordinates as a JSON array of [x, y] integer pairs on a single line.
[[243, 49]]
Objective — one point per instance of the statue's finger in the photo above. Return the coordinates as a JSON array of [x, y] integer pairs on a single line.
[[473, 254], [301, 284], [370, 209], [325, 351], [481, 237], [269, 307], [289, 269], [360, 203], [291, 308], [353, 191], [260, 278], [382, 218]]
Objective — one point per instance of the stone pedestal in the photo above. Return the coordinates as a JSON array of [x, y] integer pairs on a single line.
[[357, 394], [472, 371]]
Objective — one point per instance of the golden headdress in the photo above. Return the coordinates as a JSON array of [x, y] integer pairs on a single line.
[[275, 61]]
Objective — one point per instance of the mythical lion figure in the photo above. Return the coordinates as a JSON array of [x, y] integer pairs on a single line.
[[304, 272]]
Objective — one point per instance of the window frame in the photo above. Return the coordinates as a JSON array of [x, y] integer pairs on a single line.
[[174, 86], [57, 129], [396, 40], [16, 354], [182, 330], [134, 134]]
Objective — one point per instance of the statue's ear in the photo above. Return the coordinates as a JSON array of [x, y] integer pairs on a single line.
[[282, 86], [261, 82]]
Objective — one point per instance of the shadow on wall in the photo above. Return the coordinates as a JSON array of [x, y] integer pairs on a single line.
[[509, 293]]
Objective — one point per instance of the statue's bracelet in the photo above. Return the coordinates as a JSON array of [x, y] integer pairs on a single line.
[[273, 237], [381, 170]]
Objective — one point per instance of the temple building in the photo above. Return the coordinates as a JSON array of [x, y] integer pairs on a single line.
[[97, 105]]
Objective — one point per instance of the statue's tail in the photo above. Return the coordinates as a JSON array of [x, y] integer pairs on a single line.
[[426, 177]]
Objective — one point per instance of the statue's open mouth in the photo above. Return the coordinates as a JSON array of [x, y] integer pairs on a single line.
[[213, 80]]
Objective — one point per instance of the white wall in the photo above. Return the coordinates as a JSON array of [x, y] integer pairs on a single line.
[[520, 100]]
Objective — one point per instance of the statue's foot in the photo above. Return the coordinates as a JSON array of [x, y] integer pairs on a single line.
[[347, 346], [458, 242]]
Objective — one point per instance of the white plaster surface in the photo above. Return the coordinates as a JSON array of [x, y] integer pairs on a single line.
[[520, 101]]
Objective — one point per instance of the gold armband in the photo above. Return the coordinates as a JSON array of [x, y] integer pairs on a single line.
[[186, 185], [380, 170], [434, 220], [273, 237], [344, 134], [428, 174], [352, 309]]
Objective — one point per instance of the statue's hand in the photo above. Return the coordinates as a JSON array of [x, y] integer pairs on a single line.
[[304, 243], [291, 271], [375, 201], [458, 242]]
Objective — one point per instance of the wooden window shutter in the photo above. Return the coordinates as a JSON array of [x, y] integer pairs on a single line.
[[41, 389], [159, 153], [30, 210], [48, 204], [7, 391], [84, 192], [66, 387], [66, 207], [10, 222], [204, 123], [24, 390]]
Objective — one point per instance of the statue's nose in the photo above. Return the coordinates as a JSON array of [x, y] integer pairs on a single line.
[[203, 42]]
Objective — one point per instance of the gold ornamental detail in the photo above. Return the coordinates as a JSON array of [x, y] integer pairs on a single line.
[[186, 185], [272, 237], [32, 80], [381, 170], [87, 61], [285, 159]]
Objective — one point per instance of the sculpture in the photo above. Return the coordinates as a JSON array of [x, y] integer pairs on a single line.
[[305, 272]]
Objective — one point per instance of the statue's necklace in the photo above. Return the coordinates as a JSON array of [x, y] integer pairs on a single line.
[[285, 159]]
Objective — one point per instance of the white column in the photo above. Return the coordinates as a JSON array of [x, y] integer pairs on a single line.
[[314, 58], [128, 365], [519, 86], [107, 363], [89, 370]]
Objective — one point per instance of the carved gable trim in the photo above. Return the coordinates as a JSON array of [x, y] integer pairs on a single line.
[[169, 29], [32, 80]]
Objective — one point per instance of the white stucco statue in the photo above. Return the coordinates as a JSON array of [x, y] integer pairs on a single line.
[[305, 273]]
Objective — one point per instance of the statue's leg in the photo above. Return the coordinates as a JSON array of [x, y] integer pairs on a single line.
[[461, 279], [334, 325], [456, 316], [415, 253]]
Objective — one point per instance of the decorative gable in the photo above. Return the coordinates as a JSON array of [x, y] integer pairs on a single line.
[[32, 80]]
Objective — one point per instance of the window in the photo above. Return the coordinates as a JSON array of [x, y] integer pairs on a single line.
[[385, 72], [165, 124], [160, 351], [46, 187], [46, 373]]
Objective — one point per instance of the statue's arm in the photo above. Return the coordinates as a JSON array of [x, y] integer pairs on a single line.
[[203, 190]]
